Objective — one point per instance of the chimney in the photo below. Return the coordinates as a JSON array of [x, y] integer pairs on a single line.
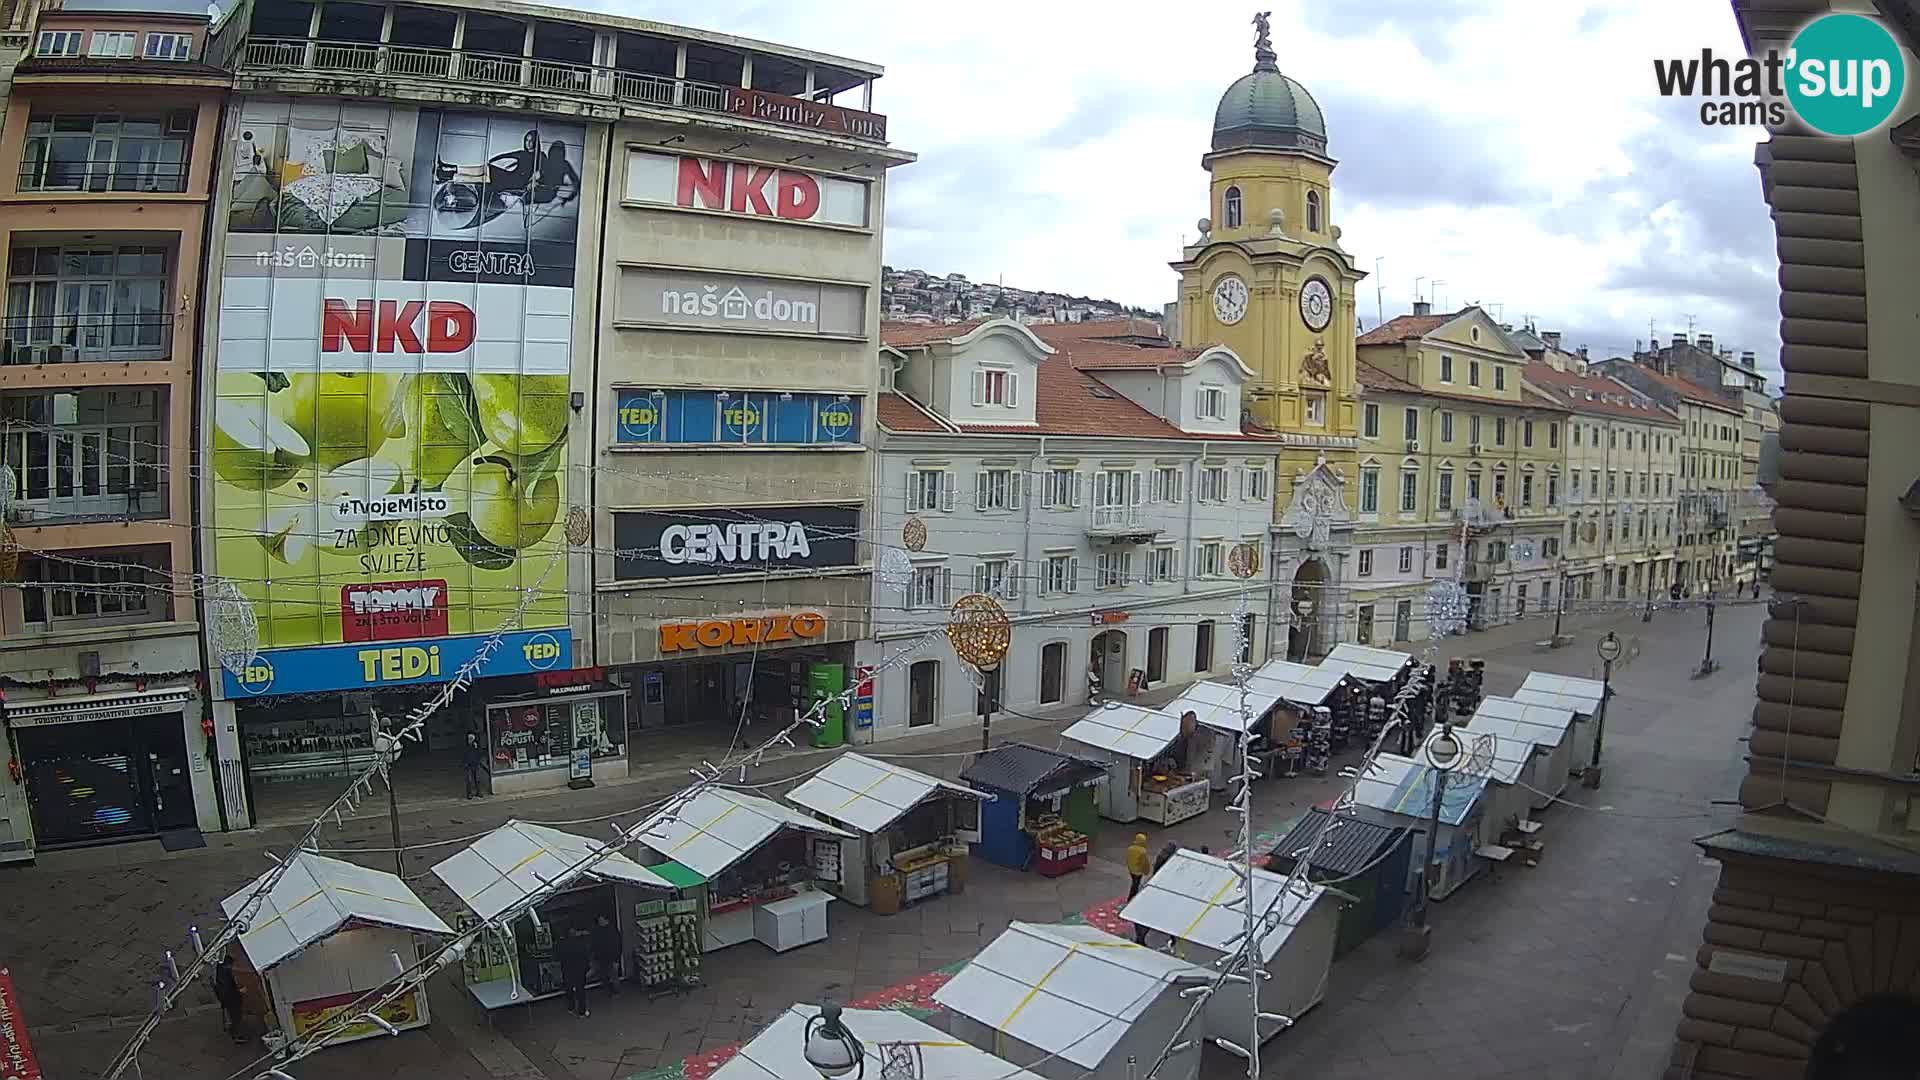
[[1679, 340], [1423, 307], [1552, 338], [1583, 352], [1705, 343], [1746, 360]]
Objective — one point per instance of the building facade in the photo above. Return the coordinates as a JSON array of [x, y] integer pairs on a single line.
[[106, 169], [1092, 485]]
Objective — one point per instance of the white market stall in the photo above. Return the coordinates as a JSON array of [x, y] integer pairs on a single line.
[[760, 861], [1072, 1001], [1366, 663], [1188, 899], [328, 933], [1551, 730], [1580, 696], [910, 830], [1145, 751], [1304, 689], [779, 1051], [519, 962], [1398, 792], [1218, 709]]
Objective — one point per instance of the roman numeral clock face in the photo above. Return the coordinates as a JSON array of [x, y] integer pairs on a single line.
[[1316, 304], [1230, 299]]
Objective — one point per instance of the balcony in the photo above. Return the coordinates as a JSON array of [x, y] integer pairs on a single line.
[[85, 456], [79, 339], [1120, 523]]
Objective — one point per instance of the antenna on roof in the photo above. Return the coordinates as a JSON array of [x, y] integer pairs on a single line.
[[1416, 288], [1379, 293]]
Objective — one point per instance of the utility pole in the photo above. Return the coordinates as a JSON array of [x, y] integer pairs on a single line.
[[1609, 650], [1379, 293], [1442, 752], [989, 689], [1707, 664], [1648, 615], [1560, 606]]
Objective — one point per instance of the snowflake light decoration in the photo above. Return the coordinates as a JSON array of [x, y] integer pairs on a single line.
[[232, 628], [896, 569], [1447, 608]]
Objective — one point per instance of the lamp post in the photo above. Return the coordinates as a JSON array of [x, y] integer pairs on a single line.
[[1304, 608], [1442, 752], [980, 633], [384, 744], [1560, 606], [1609, 650], [1647, 616], [830, 1047], [1707, 663]]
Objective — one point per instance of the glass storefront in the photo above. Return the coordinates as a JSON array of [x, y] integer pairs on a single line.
[[107, 779]]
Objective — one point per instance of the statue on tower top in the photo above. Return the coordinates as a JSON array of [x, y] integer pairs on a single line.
[[1264, 58]]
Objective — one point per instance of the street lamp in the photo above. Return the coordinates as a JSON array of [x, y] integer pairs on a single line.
[[1609, 650], [1559, 608], [1707, 663], [830, 1047], [1648, 615], [1304, 608], [1442, 752]]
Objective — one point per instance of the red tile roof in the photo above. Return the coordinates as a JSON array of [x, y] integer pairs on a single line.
[[1067, 402], [902, 414], [1373, 378], [1402, 327], [1110, 355], [1686, 388], [1571, 389], [909, 334], [1098, 328]]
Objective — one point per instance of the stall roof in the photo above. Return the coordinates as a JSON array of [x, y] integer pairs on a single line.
[[1552, 723], [779, 1051], [1192, 898], [1404, 786], [1030, 770], [1366, 662], [503, 867], [1299, 683], [1139, 733], [1345, 847], [1561, 691], [316, 896], [1073, 991], [868, 794], [1217, 705], [718, 827], [1511, 744]]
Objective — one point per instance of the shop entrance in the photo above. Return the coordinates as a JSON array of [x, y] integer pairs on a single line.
[[1309, 582], [1107, 664], [923, 693], [706, 702], [107, 779]]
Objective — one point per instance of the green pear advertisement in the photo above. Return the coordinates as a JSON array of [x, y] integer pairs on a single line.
[[389, 436]]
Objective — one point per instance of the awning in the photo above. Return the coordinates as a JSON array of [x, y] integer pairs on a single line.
[[868, 794], [505, 866], [1129, 730], [86, 708], [1300, 684], [1217, 705], [1196, 898], [718, 827], [1561, 691], [316, 896], [1366, 663]]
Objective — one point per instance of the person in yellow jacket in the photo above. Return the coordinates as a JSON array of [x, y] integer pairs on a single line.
[[1137, 864]]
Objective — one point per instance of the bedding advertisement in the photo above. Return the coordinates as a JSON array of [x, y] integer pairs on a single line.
[[390, 429]]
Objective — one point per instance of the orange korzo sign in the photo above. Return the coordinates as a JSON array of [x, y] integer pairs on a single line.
[[721, 633]]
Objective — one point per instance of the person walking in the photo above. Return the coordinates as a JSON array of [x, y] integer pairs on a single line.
[[1137, 864], [576, 956], [1160, 860], [226, 990], [606, 952], [474, 757]]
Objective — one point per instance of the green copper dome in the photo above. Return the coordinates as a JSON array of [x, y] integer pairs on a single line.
[[1265, 109]]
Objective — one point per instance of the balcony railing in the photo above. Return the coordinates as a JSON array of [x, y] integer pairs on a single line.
[[151, 177], [70, 339], [84, 472], [552, 76], [1116, 517]]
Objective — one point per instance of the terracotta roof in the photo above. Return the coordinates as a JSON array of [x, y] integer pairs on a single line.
[[1373, 378], [1570, 389], [1402, 327], [909, 334], [1097, 328], [1685, 388], [901, 413], [1109, 355]]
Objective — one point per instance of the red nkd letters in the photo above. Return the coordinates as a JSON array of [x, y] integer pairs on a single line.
[[740, 188], [395, 326]]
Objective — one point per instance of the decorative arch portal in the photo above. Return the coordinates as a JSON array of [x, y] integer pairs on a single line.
[[1307, 607]]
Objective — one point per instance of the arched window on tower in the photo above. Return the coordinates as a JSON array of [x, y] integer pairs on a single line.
[[1313, 211], [1231, 212]]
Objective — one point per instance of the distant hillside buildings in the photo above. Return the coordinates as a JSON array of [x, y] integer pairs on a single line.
[[919, 296]]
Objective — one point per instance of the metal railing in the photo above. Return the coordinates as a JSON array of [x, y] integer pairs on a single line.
[[86, 472], [1116, 517], [71, 339], [158, 177]]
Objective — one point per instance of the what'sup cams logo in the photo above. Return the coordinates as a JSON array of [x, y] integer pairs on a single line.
[[1842, 75]]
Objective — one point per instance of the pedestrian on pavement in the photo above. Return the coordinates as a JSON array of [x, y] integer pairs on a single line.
[[226, 990], [475, 759], [576, 956], [1160, 860], [1137, 864], [606, 952]]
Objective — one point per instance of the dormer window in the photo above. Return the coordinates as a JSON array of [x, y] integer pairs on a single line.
[[996, 386], [1231, 210], [1313, 211], [1213, 403]]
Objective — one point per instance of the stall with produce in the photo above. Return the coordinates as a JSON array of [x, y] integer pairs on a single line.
[[520, 962], [1578, 696], [765, 865], [1043, 812], [327, 934], [910, 830], [1146, 752]]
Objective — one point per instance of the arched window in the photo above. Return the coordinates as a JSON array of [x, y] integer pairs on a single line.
[[1313, 211], [1231, 211]]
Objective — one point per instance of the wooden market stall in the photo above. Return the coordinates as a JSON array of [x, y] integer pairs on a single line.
[[764, 865], [1398, 792], [1580, 697], [1551, 730], [1190, 899], [1043, 812], [328, 933], [779, 1051], [1303, 690], [1148, 755], [520, 962], [1222, 715], [1368, 664], [1073, 1001], [910, 830], [1367, 862]]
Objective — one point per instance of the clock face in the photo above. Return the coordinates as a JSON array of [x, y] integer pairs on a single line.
[[1316, 304], [1230, 299]]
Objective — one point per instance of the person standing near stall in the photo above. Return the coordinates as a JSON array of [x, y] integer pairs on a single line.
[[1137, 864], [226, 990], [606, 952], [475, 759], [576, 956]]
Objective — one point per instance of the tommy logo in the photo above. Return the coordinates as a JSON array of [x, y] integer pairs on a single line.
[[393, 610], [415, 326]]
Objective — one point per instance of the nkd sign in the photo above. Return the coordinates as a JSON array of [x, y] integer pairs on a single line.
[[654, 297], [746, 188], [719, 542]]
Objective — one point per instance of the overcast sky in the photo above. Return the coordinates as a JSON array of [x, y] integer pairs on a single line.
[[1514, 149]]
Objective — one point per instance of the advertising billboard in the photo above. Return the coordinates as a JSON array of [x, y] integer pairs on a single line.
[[747, 188], [389, 439], [748, 541], [707, 301], [726, 418]]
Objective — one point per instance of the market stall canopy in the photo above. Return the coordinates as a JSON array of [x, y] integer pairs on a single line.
[[717, 828], [317, 896], [519, 858], [1343, 849], [1030, 770], [1072, 991], [1404, 786], [1217, 705], [1300, 684], [1195, 898], [1561, 692], [1138, 733], [1546, 724], [1510, 744], [779, 1051], [1366, 663], [870, 795]]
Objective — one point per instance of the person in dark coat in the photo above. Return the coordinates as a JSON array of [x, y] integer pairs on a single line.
[[576, 958], [226, 990], [474, 757], [1160, 860], [606, 952]]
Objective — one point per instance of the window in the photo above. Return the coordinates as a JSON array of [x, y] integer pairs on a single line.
[[1366, 562], [1613, 439], [1061, 575], [1363, 625], [1168, 484], [1526, 433], [1643, 483], [1060, 488], [1446, 368], [1553, 436], [1210, 559], [1253, 484], [929, 489], [1203, 646], [1213, 403], [106, 152], [1412, 424], [997, 577], [932, 587], [1370, 420], [1444, 497], [85, 452], [112, 44], [59, 43], [1574, 476], [1553, 490], [1163, 564], [1499, 431], [1231, 210], [1213, 484], [1440, 556], [1369, 491], [1499, 488], [1316, 408], [1446, 427], [1403, 620], [997, 489], [1496, 551], [996, 386], [1409, 491], [1499, 377], [1473, 483], [1612, 478], [92, 587], [1549, 548], [1473, 372], [1473, 430], [1313, 211], [168, 47], [1113, 569], [1520, 601], [1575, 428], [1526, 489], [1593, 482], [1406, 560]]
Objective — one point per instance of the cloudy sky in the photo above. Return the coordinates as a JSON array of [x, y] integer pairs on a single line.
[[1514, 150]]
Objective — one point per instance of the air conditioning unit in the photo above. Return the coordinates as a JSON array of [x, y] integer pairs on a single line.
[[1413, 446], [1474, 449]]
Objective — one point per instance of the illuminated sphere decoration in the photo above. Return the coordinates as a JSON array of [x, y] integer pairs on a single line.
[[579, 526], [896, 569], [914, 534], [1243, 560], [9, 551], [979, 631], [233, 631], [1447, 608], [8, 493]]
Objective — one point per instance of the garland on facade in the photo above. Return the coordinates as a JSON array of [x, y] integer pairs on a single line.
[[91, 683]]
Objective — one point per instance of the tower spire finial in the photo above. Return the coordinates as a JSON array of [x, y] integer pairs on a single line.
[[1264, 58]]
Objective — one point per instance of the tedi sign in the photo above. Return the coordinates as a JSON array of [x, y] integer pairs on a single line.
[[651, 545], [1843, 75]]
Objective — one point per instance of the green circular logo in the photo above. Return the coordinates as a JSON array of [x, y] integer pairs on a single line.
[[1845, 74]]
